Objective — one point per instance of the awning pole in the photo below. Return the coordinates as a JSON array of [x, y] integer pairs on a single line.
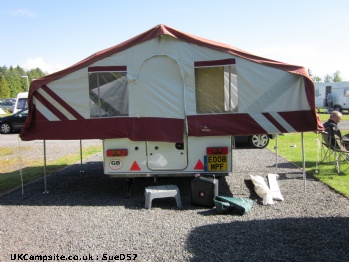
[[277, 153], [303, 158], [20, 164], [45, 182], [81, 170]]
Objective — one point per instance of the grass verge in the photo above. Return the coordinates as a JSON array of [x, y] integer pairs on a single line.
[[12, 180], [290, 148]]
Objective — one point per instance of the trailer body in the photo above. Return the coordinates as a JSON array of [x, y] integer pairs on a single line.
[[340, 92], [204, 155]]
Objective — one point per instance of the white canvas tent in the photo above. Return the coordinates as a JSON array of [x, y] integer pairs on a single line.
[[173, 83]]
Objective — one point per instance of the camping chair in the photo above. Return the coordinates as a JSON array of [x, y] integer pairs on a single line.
[[336, 149], [341, 153], [326, 148]]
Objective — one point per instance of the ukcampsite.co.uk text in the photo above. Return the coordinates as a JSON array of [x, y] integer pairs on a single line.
[[57, 257]]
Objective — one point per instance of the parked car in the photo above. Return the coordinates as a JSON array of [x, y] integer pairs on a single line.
[[255, 141], [8, 104], [13, 122]]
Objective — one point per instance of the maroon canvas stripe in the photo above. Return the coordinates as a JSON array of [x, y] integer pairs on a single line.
[[244, 124], [39, 116], [49, 106], [301, 121], [275, 123], [107, 69], [230, 61], [136, 129], [62, 102], [223, 124]]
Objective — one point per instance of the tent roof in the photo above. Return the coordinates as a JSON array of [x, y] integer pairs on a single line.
[[160, 30]]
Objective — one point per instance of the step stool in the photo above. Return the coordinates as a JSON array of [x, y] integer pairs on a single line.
[[153, 192]]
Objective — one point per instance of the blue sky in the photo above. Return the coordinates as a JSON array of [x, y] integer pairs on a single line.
[[53, 35]]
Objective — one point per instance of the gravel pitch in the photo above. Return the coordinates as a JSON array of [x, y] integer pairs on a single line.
[[86, 215]]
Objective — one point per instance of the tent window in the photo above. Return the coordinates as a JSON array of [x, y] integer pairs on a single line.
[[108, 92], [216, 86]]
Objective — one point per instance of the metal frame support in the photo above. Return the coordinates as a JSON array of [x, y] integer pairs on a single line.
[[81, 169], [45, 180]]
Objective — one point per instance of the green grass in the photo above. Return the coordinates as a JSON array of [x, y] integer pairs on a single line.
[[12, 180], [290, 148]]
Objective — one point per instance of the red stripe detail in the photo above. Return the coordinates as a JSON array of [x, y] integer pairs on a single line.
[[107, 69], [39, 116], [61, 102], [275, 123], [49, 106], [230, 61], [136, 129], [301, 121], [244, 124]]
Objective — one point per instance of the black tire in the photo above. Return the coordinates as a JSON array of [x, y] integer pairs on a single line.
[[6, 128], [258, 141]]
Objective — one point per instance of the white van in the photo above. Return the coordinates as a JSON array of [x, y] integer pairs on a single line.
[[21, 102]]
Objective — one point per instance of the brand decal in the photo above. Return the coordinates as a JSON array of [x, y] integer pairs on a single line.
[[205, 128], [115, 164]]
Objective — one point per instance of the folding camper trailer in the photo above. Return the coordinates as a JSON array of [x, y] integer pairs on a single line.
[[167, 103]]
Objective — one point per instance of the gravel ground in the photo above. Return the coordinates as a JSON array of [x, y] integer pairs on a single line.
[[86, 215]]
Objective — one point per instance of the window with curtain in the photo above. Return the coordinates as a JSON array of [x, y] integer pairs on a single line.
[[216, 86]]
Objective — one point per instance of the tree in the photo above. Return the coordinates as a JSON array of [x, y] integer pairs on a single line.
[[314, 78], [4, 88], [327, 78], [35, 74], [337, 76], [15, 82], [317, 79]]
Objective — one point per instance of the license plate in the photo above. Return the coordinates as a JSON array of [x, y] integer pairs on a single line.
[[217, 162]]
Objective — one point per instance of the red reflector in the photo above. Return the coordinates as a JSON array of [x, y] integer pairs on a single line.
[[217, 150], [117, 152]]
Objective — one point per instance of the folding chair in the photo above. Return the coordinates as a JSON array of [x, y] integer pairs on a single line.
[[326, 148], [341, 153], [333, 146]]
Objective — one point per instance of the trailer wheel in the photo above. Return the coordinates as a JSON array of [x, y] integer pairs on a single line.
[[337, 108], [258, 141]]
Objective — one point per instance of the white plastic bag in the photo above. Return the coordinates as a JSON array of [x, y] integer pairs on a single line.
[[274, 187], [262, 190]]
